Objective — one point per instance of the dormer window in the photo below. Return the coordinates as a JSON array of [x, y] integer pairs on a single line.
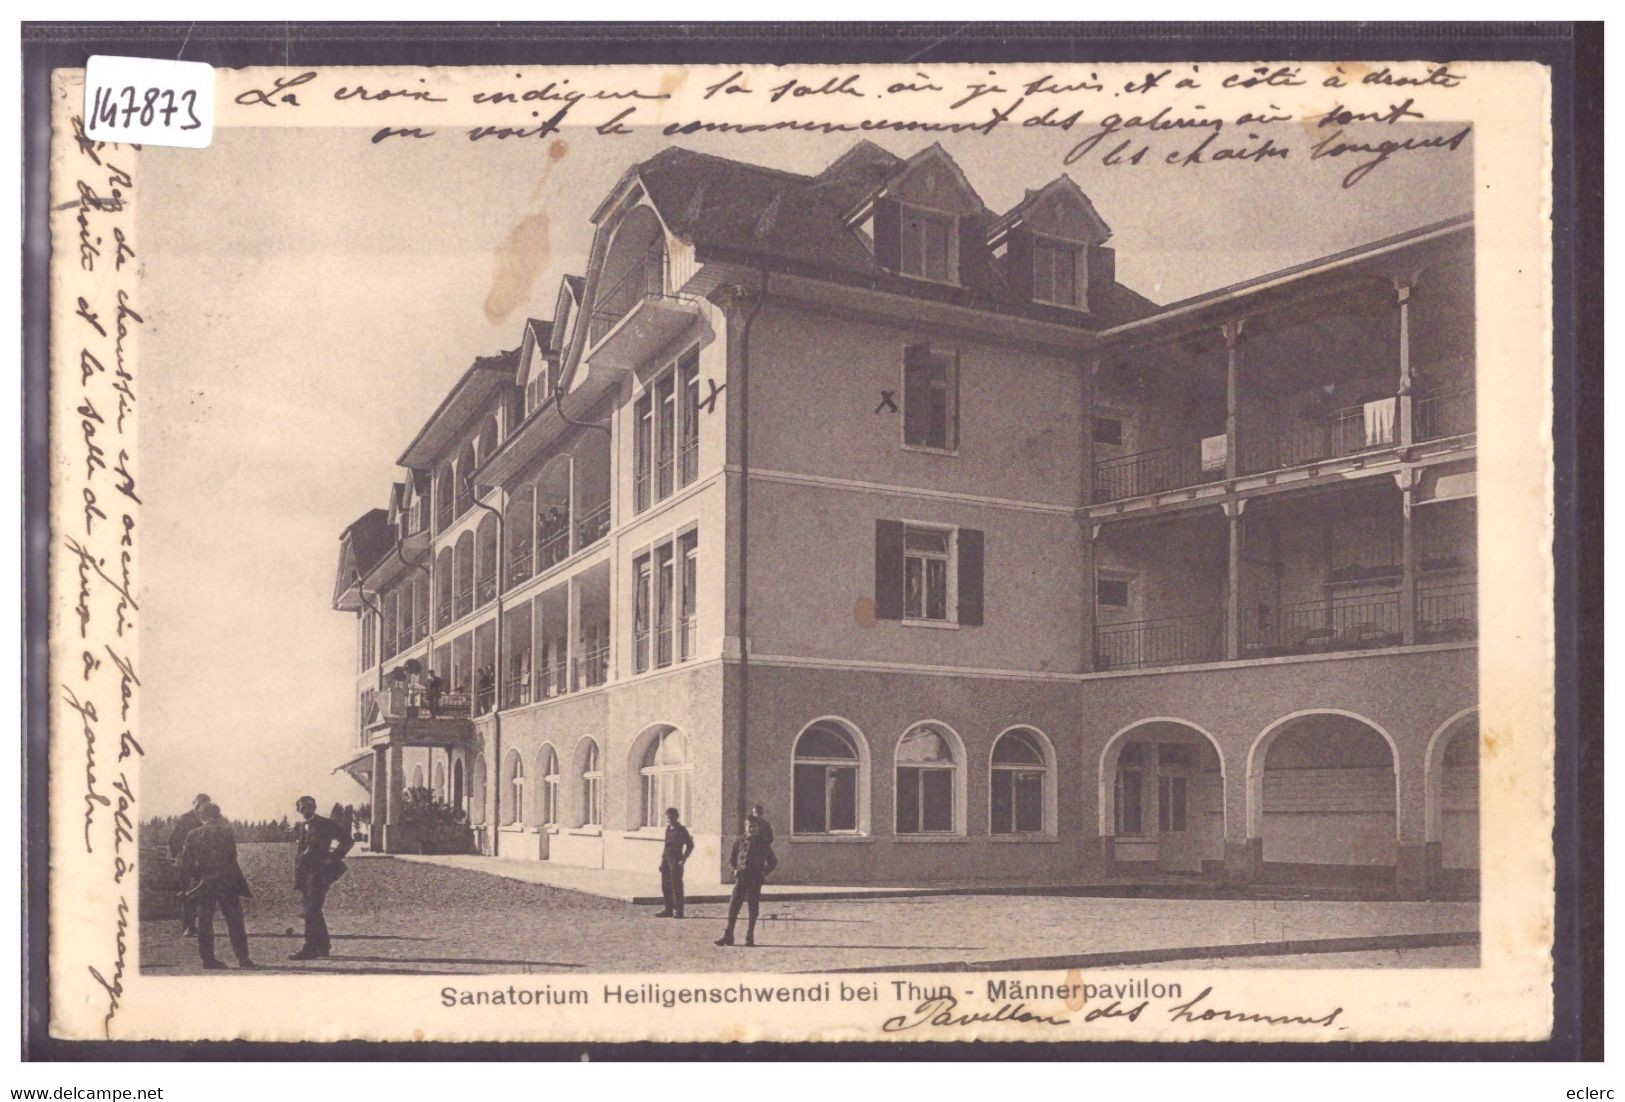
[[1057, 272], [928, 245]]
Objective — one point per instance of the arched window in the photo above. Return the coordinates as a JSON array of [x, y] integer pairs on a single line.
[[665, 771], [550, 786], [1020, 777], [457, 786], [476, 792], [417, 776], [513, 770], [592, 787], [439, 789], [826, 783], [927, 782]]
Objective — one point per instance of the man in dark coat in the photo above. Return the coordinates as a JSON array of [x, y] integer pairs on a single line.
[[752, 862], [208, 859], [184, 826], [318, 862], [679, 844], [763, 827]]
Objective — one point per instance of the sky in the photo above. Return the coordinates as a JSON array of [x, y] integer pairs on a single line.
[[311, 297]]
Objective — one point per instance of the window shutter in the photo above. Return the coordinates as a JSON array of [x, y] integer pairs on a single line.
[[888, 234], [888, 570], [970, 577], [1100, 272], [1018, 259]]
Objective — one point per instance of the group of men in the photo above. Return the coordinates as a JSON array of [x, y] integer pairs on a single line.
[[752, 861], [205, 854]]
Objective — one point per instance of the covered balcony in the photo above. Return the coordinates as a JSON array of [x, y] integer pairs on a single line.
[[1314, 572], [563, 511], [1378, 368], [634, 311]]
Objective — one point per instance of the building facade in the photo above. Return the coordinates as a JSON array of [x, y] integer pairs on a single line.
[[848, 496]]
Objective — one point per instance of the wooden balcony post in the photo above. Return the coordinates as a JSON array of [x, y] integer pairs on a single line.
[[1407, 478], [1232, 597], [1402, 292], [1232, 342]]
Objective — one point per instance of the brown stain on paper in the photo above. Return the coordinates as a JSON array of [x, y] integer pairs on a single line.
[[518, 262]]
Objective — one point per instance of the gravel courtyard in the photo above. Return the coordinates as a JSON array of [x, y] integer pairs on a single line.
[[391, 916]]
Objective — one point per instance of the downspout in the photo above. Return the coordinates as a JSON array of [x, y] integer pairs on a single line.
[[378, 645], [744, 540], [496, 675]]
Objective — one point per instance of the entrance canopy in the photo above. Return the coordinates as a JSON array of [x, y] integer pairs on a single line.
[[360, 770]]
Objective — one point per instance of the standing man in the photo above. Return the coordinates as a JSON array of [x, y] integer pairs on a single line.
[[752, 862], [679, 844], [184, 826], [209, 861], [318, 861]]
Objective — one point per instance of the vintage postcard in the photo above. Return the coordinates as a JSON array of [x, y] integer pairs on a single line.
[[935, 552]]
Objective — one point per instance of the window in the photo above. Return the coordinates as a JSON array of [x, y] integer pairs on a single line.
[[1131, 768], [592, 787], [1111, 592], [1055, 271], [1171, 806], [642, 450], [642, 599], [514, 767], [665, 771], [926, 556], [1019, 777], [550, 786], [825, 796], [688, 451], [927, 242], [927, 777], [666, 432], [1109, 431], [930, 398], [665, 578], [689, 544]]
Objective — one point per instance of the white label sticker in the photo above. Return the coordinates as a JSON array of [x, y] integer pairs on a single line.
[[145, 101]]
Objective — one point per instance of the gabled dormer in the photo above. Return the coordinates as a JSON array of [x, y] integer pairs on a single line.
[[926, 221], [535, 374], [1052, 245]]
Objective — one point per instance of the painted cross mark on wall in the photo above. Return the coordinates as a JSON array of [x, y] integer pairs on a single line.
[[887, 401]]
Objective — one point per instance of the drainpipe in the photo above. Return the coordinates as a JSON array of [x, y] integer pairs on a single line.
[[378, 647], [428, 614], [496, 674], [744, 539]]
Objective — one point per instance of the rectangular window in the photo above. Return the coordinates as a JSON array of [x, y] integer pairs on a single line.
[[1171, 805], [642, 445], [689, 544], [926, 557], [925, 800], [665, 435], [688, 450], [927, 245], [1130, 821], [1109, 431], [930, 399], [665, 579], [1055, 272], [641, 607], [1111, 592]]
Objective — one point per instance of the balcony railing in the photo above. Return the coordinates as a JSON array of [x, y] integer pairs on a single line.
[[420, 627], [663, 474], [485, 590], [663, 641], [465, 599], [640, 650], [646, 278], [592, 527], [413, 702], [687, 634], [1347, 431], [1171, 641], [555, 547], [519, 564], [552, 679], [688, 462], [640, 491], [1448, 411], [484, 698], [1335, 622], [1446, 611], [516, 690], [1152, 472], [592, 669], [442, 615]]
